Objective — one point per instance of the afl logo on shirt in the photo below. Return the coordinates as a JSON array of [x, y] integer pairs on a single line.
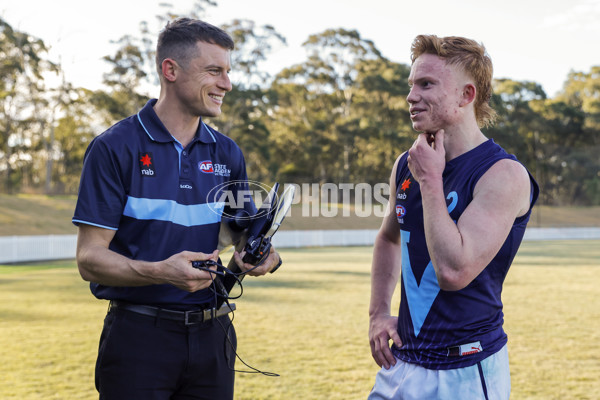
[[400, 210], [400, 213], [146, 164], [206, 167]]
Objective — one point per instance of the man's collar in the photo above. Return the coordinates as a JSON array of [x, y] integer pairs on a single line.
[[155, 129]]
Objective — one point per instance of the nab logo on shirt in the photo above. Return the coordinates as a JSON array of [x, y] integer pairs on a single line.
[[405, 185], [146, 164], [206, 167]]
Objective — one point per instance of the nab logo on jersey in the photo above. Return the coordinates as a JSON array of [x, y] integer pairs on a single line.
[[405, 185], [146, 164], [206, 167]]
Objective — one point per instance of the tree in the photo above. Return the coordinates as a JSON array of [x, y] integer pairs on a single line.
[[23, 106], [333, 59], [516, 123], [382, 111], [316, 100], [582, 90], [72, 132], [339, 116], [579, 103], [297, 120], [246, 106], [126, 95], [133, 73], [549, 136], [252, 47]]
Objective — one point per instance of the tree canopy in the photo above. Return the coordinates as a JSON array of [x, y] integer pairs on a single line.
[[339, 116]]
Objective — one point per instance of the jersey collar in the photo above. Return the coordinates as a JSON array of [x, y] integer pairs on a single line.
[[156, 131]]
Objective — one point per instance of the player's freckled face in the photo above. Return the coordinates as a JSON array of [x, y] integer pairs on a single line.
[[434, 95], [202, 85]]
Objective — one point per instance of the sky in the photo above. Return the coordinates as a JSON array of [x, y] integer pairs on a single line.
[[528, 40]]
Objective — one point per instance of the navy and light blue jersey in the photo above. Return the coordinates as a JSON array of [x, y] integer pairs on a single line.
[[159, 197], [451, 329]]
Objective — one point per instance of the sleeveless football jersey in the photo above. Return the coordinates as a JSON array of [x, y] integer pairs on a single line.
[[451, 329]]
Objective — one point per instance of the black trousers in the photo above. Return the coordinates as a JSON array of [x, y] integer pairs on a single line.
[[150, 358]]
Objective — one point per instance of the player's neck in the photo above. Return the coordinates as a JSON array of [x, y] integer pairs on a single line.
[[460, 141]]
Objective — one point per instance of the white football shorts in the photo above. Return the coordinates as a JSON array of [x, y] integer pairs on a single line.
[[486, 380]]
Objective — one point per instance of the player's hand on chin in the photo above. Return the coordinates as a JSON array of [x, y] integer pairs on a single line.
[[427, 156]]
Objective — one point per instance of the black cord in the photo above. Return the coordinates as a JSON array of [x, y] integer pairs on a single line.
[[221, 271], [253, 370]]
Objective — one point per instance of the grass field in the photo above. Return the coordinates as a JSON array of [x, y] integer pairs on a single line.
[[308, 323]]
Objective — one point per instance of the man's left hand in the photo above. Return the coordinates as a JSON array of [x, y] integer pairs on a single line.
[[271, 262]]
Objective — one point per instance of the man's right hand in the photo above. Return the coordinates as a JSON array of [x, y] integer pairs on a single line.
[[97, 263], [177, 270], [382, 329]]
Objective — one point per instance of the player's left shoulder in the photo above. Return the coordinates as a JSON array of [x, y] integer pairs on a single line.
[[509, 170], [509, 180]]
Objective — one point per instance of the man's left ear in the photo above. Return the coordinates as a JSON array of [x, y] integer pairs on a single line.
[[468, 95]]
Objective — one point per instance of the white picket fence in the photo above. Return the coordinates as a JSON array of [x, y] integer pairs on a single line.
[[17, 249]]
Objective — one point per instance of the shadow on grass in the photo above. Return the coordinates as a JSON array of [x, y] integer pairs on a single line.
[[287, 284], [9, 281], [26, 316], [358, 274]]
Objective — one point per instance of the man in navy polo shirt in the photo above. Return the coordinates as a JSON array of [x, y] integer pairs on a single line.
[[145, 211]]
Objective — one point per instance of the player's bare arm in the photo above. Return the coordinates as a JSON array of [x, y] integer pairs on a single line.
[[384, 277], [460, 251], [97, 263]]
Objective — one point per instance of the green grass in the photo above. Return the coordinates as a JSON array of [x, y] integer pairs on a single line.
[[308, 323], [552, 311]]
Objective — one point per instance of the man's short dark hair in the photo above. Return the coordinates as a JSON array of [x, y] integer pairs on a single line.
[[179, 37]]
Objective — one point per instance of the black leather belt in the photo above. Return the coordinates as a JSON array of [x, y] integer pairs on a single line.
[[186, 317]]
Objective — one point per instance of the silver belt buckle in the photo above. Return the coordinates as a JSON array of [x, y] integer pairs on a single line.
[[209, 314]]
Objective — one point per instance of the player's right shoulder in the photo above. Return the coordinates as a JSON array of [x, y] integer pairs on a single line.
[[397, 162], [399, 165], [389, 229]]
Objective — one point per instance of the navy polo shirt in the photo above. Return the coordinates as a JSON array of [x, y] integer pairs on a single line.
[[159, 197]]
